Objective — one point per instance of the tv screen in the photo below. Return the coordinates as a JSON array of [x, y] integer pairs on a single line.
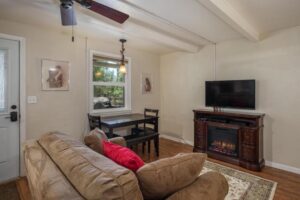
[[230, 94]]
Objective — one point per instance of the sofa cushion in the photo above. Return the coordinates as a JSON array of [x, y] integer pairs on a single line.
[[99, 133], [161, 178], [92, 174], [209, 186], [93, 142], [45, 179], [96, 144], [122, 155]]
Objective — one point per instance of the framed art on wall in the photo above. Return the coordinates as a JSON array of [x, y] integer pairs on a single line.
[[146, 83], [55, 75]]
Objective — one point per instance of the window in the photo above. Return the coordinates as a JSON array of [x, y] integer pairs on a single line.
[[110, 89]]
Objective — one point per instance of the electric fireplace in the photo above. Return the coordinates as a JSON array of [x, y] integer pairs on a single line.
[[236, 138], [222, 141]]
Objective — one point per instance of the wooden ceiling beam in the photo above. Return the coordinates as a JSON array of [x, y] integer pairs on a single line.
[[228, 14]]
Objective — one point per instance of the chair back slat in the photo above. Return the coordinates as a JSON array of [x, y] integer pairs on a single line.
[[150, 113]]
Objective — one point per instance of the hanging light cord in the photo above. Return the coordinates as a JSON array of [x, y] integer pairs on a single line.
[[73, 38], [122, 51], [215, 63]]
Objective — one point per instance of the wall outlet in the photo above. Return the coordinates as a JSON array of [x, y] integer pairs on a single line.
[[31, 99]]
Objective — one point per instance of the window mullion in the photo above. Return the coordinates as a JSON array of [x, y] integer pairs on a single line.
[[109, 84]]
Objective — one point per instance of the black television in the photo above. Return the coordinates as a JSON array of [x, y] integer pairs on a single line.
[[238, 94]]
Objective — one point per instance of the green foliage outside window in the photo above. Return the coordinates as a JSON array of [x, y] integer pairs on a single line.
[[115, 95], [107, 74]]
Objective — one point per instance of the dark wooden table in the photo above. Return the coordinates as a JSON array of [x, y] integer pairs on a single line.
[[127, 120]]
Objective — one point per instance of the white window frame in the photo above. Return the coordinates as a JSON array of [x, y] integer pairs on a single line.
[[110, 111]]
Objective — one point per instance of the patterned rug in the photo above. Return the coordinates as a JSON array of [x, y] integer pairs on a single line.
[[9, 191], [243, 186]]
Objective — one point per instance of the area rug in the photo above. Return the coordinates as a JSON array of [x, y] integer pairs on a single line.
[[9, 191], [243, 186]]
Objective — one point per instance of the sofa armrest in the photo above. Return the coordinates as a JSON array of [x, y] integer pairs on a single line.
[[209, 186], [118, 140]]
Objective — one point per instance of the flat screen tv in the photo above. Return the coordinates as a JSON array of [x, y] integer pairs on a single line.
[[230, 94]]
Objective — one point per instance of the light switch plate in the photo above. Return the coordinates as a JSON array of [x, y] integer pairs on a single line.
[[31, 99]]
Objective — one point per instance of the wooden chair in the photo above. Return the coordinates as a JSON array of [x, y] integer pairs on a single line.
[[147, 133], [94, 122]]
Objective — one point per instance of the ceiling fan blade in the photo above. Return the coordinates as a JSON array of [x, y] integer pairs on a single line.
[[67, 14], [104, 10]]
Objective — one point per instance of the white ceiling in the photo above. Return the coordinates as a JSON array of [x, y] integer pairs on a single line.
[[163, 26], [269, 15], [190, 15]]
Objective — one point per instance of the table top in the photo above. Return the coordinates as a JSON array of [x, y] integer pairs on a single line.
[[123, 120]]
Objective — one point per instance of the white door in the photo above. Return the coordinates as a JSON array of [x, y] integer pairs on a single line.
[[9, 109]]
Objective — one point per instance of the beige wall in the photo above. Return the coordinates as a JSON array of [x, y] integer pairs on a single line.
[[274, 63], [66, 110], [182, 90]]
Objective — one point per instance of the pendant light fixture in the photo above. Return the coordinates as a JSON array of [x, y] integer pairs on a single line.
[[122, 68]]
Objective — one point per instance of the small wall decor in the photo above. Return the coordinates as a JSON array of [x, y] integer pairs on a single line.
[[146, 83], [55, 75]]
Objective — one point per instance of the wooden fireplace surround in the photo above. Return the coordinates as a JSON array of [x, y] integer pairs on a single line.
[[249, 127]]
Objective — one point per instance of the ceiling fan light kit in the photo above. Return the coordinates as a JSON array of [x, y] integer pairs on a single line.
[[67, 12]]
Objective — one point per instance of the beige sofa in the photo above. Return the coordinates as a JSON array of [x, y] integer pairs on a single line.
[[60, 167]]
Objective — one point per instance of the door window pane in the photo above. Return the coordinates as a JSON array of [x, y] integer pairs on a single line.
[[2, 80], [106, 97]]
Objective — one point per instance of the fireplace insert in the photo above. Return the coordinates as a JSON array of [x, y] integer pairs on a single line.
[[223, 141]]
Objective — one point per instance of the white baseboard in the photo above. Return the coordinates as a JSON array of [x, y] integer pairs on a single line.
[[181, 140], [283, 167], [171, 138], [268, 163]]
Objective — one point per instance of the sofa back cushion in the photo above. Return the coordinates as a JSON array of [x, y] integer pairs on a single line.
[[161, 178], [93, 175], [93, 142], [45, 180]]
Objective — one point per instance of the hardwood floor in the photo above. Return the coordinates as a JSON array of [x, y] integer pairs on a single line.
[[22, 186], [288, 187]]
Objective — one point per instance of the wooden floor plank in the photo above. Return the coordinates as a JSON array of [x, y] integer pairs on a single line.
[[23, 189], [288, 187]]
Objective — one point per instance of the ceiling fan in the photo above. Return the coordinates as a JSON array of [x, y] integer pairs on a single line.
[[68, 17]]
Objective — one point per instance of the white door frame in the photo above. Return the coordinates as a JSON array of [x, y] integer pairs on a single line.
[[22, 108]]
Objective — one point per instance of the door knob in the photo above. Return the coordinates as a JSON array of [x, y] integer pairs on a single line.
[[13, 107]]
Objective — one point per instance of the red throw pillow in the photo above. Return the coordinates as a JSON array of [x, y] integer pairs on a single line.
[[122, 155]]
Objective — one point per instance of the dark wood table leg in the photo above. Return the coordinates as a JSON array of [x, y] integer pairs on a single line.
[[156, 144], [156, 125], [110, 132], [156, 140], [149, 146]]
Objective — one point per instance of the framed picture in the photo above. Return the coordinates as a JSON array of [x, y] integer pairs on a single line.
[[55, 75], [146, 83]]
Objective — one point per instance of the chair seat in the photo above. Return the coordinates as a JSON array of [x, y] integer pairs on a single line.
[[142, 130], [139, 138], [141, 135]]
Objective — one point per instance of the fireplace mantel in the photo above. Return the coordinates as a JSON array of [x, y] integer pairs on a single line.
[[249, 128]]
